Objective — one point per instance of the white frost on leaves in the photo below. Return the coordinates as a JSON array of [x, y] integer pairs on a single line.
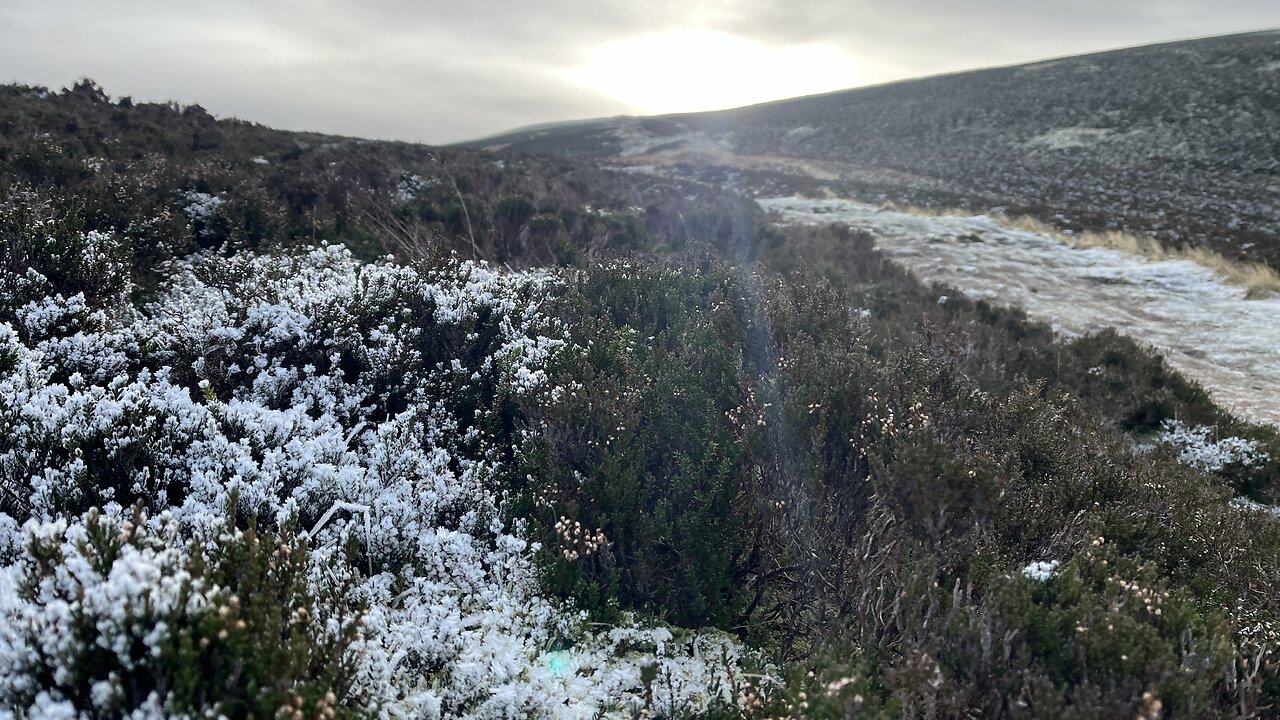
[[10, 539], [118, 604], [1197, 447], [411, 186], [298, 383], [1245, 503], [201, 205], [1041, 570]]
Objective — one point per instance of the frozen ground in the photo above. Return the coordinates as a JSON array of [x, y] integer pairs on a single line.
[[1205, 326]]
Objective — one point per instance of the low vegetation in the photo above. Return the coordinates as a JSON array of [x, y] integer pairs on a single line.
[[374, 430]]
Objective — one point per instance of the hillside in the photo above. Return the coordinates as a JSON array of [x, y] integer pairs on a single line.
[[305, 426], [1177, 140]]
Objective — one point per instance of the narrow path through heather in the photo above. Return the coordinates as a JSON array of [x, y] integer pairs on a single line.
[[1204, 325]]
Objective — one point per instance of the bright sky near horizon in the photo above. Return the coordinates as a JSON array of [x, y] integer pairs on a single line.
[[441, 71]]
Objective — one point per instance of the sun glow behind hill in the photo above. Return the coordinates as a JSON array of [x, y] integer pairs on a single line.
[[691, 70]]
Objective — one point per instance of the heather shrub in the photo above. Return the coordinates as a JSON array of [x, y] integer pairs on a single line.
[[498, 490], [378, 405], [510, 217], [649, 455], [113, 615], [46, 250]]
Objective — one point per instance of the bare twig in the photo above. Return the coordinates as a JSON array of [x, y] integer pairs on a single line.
[[466, 216]]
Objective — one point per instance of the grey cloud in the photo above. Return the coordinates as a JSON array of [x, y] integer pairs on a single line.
[[438, 71]]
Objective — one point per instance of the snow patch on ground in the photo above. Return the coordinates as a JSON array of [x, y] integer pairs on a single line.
[[637, 141], [1207, 328], [1070, 137]]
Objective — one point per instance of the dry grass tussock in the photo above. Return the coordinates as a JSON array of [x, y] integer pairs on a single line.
[[1258, 279]]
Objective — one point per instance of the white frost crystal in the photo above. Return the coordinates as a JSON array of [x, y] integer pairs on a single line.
[[305, 383], [1197, 449], [201, 205], [1041, 571]]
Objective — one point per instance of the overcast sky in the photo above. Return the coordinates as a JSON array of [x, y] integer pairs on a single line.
[[441, 71]]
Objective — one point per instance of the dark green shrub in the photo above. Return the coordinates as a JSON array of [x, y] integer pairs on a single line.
[[46, 233], [651, 450]]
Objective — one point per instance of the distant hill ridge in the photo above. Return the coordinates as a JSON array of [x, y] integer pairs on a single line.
[[1178, 140]]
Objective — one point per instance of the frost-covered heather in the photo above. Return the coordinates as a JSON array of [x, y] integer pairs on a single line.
[[1197, 449], [202, 210], [1245, 503], [294, 386], [47, 625], [1041, 570], [201, 205], [411, 185]]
